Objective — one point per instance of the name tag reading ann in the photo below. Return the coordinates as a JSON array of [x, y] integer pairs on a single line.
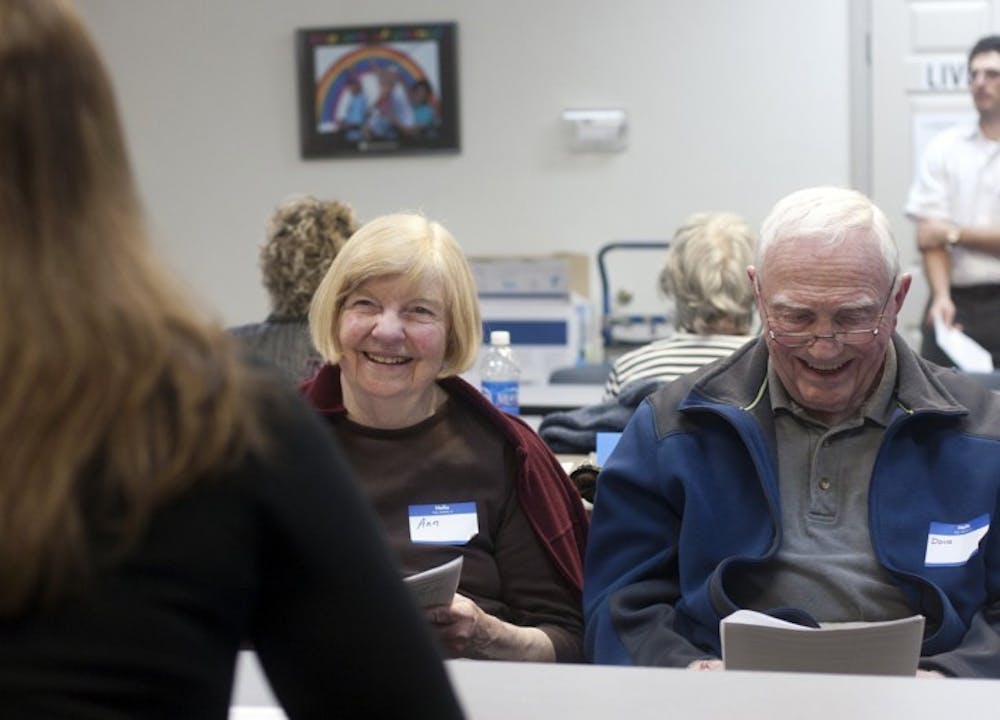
[[443, 523], [949, 544]]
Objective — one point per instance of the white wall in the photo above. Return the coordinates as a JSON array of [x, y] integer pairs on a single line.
[[731, 104]]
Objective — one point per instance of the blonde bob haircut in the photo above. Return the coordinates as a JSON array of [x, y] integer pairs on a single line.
[[422, 252]]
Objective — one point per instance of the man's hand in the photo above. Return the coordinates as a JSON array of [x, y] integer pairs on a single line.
[[943, 308]]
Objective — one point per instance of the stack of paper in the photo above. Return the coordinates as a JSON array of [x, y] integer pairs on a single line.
[[965, 352], [755, 641]]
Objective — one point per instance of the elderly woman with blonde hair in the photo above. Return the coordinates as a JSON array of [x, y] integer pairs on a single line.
[[705, 277], [397, 319]]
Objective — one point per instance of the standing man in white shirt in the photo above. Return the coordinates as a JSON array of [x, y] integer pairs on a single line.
[[955, 201]]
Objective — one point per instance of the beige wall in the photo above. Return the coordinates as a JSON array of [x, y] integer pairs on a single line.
[[731, 104]]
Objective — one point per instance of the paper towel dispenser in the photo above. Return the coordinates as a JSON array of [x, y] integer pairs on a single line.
[[597, 130]]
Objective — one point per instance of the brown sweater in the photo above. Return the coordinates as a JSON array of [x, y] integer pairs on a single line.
[[549, 498], [458, 456]]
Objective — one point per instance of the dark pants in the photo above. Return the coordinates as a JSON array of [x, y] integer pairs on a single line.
[[977, 310]]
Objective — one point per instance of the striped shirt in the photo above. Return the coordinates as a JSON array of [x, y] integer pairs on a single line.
[[670, 358]]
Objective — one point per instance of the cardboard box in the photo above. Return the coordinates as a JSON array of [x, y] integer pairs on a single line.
[[543, 276]]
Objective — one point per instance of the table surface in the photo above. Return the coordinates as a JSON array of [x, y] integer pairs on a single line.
[[500, 691], [510, 691]]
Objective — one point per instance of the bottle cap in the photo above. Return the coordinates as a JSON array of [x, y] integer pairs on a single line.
[[499, 337]]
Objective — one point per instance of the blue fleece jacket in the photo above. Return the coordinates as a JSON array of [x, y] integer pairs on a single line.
[[688, 504]]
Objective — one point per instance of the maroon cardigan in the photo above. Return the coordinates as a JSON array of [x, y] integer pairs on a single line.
[[548, 498]]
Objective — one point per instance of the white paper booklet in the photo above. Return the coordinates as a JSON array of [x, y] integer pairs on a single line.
[[436, 586], [755, 641], [965, 352]]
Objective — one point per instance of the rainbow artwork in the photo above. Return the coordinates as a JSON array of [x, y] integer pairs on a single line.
[[380, 89], [362, 63]]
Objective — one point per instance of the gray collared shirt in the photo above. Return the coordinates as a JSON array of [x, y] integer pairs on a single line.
[[825, 563]]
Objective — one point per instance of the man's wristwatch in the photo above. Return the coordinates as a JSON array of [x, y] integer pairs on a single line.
[[953, 235]]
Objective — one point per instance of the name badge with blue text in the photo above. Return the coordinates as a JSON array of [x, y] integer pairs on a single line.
[[443, 523], [949, 544]]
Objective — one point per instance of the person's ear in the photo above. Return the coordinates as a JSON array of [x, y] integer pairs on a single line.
[[904, 287]]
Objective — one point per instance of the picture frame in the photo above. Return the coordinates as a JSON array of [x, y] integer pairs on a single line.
[[378, 90]]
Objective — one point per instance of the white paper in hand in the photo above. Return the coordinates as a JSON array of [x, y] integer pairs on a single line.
[[966, 353], [438, 585]]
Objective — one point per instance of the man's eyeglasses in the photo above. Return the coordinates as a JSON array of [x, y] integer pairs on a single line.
[[852, 336]]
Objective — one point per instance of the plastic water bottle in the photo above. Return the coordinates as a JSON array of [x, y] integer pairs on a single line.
[[500, 373]]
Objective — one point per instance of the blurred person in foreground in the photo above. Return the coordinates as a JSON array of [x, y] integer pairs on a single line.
[[397, 319], [810, 475], [303, 237], [162, 504], [704, 275]]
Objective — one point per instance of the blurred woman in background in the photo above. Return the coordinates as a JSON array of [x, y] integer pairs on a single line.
[[303, 236], [705, 276]]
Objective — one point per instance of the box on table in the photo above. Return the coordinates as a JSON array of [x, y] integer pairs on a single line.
[[544, 276]]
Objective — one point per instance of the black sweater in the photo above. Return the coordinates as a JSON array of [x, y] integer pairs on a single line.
[[282, 553]]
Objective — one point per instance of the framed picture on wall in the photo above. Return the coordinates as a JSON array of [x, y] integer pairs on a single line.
[[378, 90]]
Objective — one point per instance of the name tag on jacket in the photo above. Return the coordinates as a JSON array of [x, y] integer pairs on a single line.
[[949, 544]]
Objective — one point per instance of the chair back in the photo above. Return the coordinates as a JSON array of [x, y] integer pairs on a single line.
[[586, 374]]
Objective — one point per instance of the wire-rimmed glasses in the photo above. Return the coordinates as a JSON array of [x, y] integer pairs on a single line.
[[852, 336]]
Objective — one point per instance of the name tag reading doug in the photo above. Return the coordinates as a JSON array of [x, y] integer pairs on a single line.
[[955, 544], [443, 523]]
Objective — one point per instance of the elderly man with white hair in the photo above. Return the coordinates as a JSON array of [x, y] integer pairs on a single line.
[[807, 475]]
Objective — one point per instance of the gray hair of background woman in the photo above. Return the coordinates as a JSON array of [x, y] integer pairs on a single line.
[[706, 274], [829, 213]]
